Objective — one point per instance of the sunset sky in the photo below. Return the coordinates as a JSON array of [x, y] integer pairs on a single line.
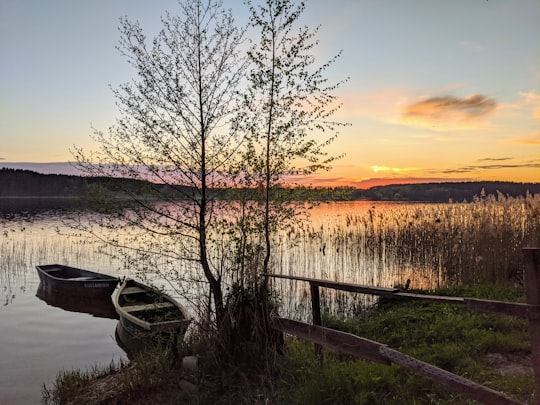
[[438, 90]]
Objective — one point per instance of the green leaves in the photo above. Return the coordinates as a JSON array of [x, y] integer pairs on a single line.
[[284, 113]]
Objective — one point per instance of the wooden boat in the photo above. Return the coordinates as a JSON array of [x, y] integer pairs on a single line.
[[65, 280], [147, 316]]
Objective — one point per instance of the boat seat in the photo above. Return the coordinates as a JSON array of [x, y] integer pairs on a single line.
[[133, 290], [157, 305]]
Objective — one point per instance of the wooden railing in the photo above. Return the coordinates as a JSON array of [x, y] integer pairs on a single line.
[[381, 353]]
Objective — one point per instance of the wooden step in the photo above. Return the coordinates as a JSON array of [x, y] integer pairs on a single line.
[[146, 307], [133, 290]]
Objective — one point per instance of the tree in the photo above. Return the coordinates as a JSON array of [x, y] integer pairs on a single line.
[[195, 124], [288, 104], [173, 130]]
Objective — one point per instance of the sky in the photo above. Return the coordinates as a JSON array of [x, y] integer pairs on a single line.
[[437, 90]]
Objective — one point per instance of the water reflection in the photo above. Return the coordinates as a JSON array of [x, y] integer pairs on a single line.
[[131, 342], [31, 205], [98, 306], [330, 246], [13, 282]]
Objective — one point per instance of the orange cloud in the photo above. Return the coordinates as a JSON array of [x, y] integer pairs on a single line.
[[449, 110], [533, 140], [383, 169], [385, 181], [382, 106], [533, 99]]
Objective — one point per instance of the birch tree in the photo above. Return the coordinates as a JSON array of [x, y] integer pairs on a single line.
[[288, 110], [173, 130]]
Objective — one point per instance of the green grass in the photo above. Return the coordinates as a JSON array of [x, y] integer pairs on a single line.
[[121, 383], [447, 336], [73, 383]]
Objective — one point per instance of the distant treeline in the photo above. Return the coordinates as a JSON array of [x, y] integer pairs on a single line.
[[26, 183], [445, 192]]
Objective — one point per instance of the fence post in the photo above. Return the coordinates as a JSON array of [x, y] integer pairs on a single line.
[[316, 311], [532, 285]]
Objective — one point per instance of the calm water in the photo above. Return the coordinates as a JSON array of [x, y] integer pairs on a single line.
[[37, 340]]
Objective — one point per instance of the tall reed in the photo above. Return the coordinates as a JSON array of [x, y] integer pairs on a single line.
[[27, 242], [433, 245]]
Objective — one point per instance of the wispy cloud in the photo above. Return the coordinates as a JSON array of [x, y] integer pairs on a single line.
[[495, 159], [384, 181], [449, 111], [386, 169], [533, 140], [535, 164], [383, 106], [532, 99], [471, 46]]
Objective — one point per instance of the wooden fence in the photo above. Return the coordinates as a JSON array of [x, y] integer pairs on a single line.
[[381, 353]]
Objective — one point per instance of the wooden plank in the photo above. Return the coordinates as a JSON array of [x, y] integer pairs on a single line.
[[440, 299], [521, 310], [366, 289], [316, 311], [133, 290], [146, 307], [509, 308], [367, 349], [336, 340], [456, 383], [358, 288], [316, 305], [177, 325]]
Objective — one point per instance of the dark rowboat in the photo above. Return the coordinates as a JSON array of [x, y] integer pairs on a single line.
[[65, 280], [147, 316]]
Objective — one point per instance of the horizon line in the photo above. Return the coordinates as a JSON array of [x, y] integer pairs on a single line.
[[66, 168]]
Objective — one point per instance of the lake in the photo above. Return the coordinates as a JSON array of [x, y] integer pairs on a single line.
[[381, 244], [39, 339]]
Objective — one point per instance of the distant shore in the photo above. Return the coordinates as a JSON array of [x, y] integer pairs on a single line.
[[26, 184]]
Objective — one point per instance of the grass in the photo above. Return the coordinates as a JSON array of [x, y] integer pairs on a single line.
[[72, 383], [148, 374], [490, 349], [447, 336]]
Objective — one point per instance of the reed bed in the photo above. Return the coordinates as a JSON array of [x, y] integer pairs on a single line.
[[432, 245], [27, 242]]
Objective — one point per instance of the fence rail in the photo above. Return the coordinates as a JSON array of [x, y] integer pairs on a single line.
[[381, 353], [522, 310]]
